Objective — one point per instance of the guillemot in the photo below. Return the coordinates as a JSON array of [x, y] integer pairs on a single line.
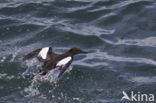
[[52, 60]]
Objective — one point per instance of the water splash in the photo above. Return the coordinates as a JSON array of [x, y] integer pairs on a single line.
[[52, 77], [32, 67], [32, 90], [3, 59]]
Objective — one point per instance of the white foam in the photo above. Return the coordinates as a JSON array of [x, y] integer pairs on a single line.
[[43, 52], [3, 59], [32, 90], [2, 75]]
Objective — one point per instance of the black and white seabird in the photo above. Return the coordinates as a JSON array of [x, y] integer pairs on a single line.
[[52, 60]]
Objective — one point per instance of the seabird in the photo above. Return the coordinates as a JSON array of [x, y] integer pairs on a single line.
[[52, 60]]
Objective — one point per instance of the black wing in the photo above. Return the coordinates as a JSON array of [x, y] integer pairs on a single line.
[[35, 53], [64, 68], [32, 54]]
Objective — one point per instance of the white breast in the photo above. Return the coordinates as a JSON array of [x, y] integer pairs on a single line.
[[43, 52], [64, 61]]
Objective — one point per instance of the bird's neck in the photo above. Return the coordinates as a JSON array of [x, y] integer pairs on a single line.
[[67, 54]]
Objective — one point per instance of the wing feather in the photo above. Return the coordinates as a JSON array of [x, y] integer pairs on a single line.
[[32, 54], [41, 53], [64, 68]]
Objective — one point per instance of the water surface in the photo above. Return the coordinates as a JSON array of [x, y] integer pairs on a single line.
[[120, 33]]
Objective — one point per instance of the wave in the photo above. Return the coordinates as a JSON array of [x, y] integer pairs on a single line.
[[120, 36]]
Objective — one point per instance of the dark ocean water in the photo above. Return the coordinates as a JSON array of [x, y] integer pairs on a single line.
[[121, 35]]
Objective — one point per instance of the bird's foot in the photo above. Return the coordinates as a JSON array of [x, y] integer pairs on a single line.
[[39, 71]]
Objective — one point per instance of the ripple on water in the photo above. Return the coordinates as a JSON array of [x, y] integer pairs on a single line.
[[119, 33]]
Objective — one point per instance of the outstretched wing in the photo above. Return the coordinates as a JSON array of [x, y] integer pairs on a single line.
[[63, 65], [41, 53], [63, 69], [32, 54]]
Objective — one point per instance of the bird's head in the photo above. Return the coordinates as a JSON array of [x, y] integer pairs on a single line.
[[74, 51]]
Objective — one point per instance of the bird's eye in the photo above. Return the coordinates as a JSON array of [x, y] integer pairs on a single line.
[[71, 50]]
